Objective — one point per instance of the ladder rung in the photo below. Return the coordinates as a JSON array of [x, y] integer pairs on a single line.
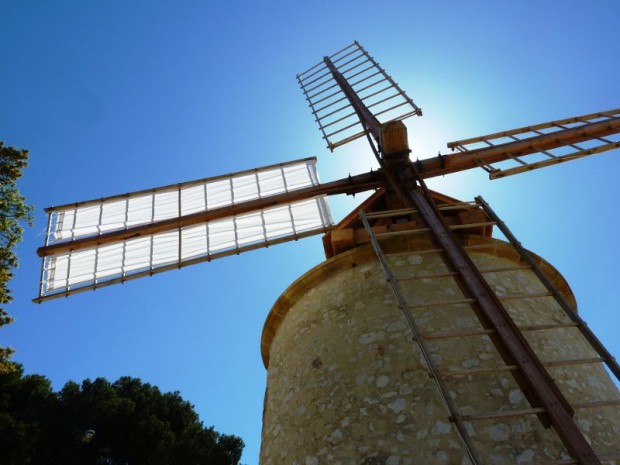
[[509, 413], [407, 211], [506, 268], [471, 225], [463, 333], [387, 214], [484, 332], [443, 302], [478, 371], [545, 327], [597, 404], [401, 233], [560, 462], [457, 206], [423, 230], [430, 251], [525, 296], [479, 246], [416, 252], [423, 276], [578, 361]]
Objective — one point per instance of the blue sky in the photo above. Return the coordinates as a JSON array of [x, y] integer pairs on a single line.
[[114, 96]]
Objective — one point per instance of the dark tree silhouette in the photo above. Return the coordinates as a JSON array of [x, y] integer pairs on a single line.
[[13, 213], [127, 422]]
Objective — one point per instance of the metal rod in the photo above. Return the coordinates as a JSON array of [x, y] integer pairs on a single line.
[[333, 94], [348, 62], [338, 110], [359, 72], [379, 102], [417, 109], [306, 84], [310, 97], [318, 86], [346, 55], [535, 379], [376, 93], [345, 128], [426, 354], [332, 103], [594, 341], [364, 79], [342, 118]]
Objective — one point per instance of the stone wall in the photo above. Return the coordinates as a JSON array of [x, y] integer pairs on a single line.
[[347, 384]]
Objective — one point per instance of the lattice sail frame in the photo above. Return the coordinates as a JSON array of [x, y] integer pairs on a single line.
[[102, 265], [335, 116], [538, 157]]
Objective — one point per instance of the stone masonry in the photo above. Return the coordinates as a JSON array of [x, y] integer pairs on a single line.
[[347, 385]]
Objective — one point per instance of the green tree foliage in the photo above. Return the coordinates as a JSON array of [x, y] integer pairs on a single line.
[[101, 423], [13, 213]]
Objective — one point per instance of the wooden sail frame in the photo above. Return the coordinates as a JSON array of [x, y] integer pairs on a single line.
[[100, 253]]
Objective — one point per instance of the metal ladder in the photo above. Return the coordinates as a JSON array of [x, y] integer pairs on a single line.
[[439, 377]]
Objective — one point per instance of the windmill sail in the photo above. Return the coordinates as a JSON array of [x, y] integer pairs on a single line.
[[84, 249], [337, 119], [528, 148]]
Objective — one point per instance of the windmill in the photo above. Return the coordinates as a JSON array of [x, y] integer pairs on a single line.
[[401, 227]]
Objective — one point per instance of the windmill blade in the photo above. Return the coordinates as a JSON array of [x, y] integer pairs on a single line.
[[112, 240], [528, 148], [376, 90]]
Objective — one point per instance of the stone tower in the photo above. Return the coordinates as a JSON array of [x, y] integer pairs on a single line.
[[347, 384]]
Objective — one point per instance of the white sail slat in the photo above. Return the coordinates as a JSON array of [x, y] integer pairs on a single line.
[[91, 218], [73, 271]]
